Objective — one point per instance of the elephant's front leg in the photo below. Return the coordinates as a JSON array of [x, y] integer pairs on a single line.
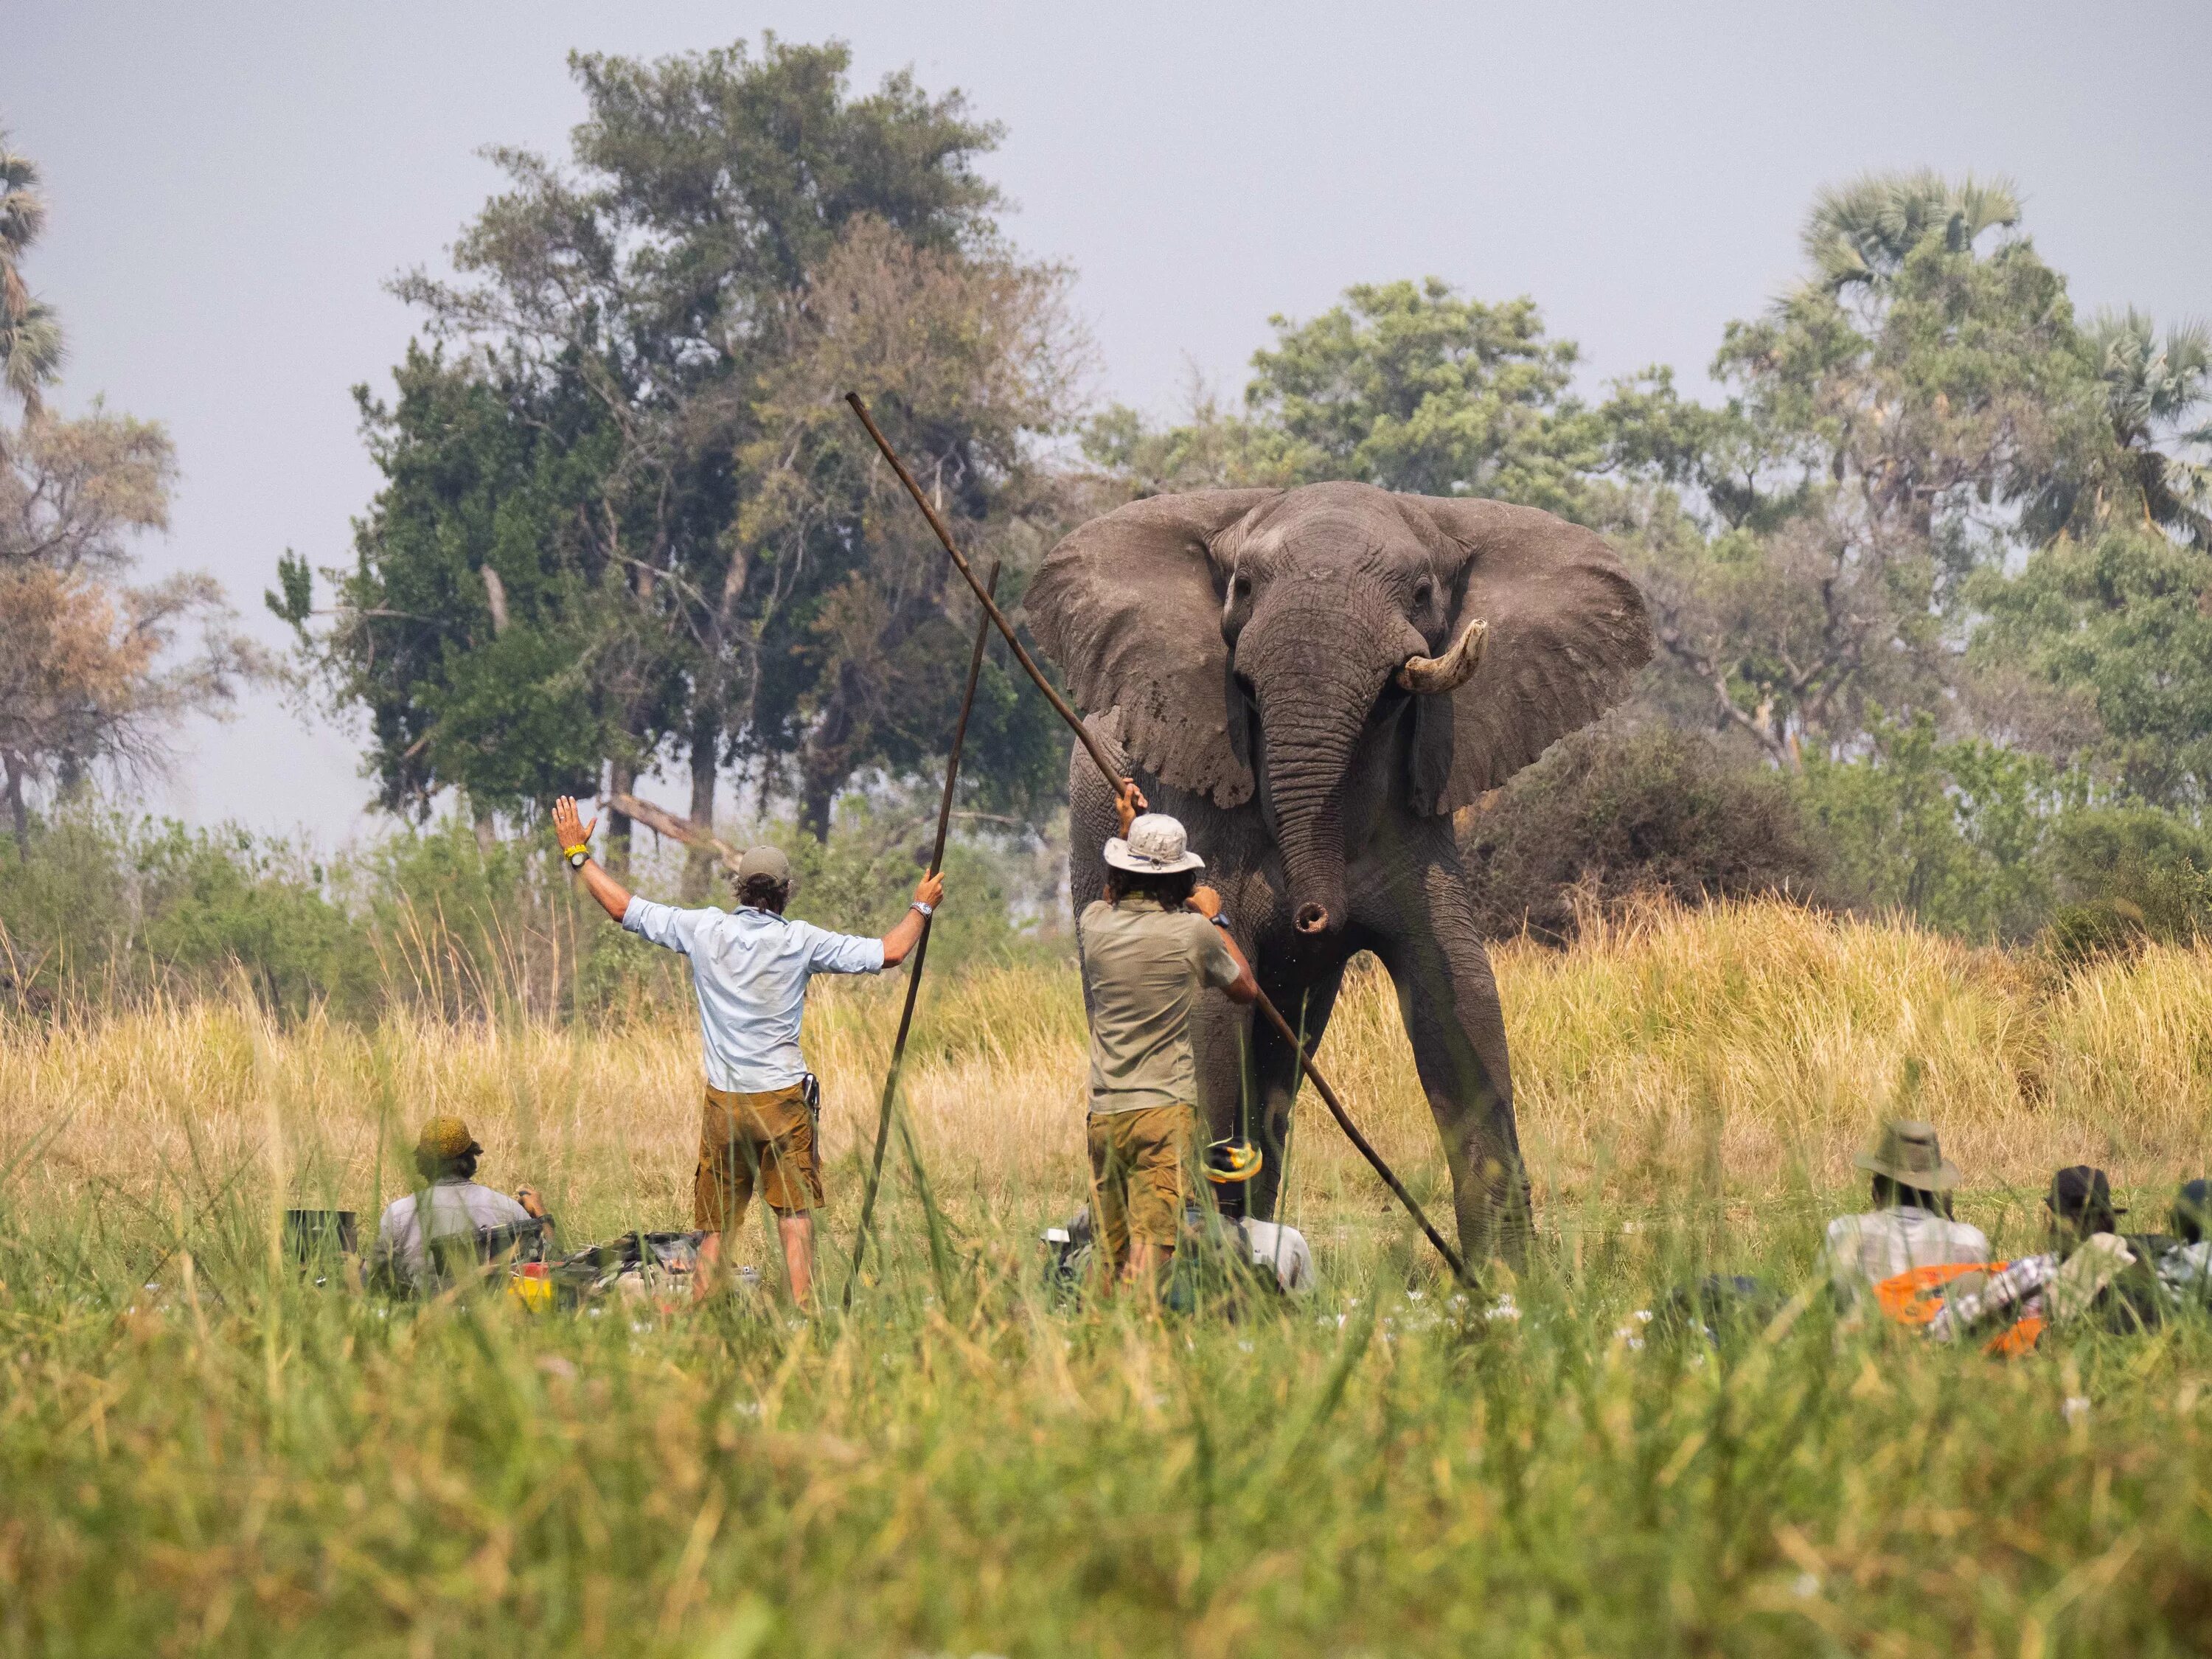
[[1449, 1003]]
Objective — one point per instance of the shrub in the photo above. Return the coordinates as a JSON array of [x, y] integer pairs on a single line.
[[1949, 831], [2127, 875], [1611, 811], [100, 907]]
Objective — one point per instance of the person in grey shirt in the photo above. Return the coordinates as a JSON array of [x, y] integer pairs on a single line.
[[750, 969], [1911, 1227], [452, 1203]]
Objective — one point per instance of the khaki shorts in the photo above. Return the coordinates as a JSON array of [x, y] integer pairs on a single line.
[[1141, 1170], [747, 1140]]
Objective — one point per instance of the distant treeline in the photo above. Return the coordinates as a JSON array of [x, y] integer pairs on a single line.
[[107, 912], [1931, 578]]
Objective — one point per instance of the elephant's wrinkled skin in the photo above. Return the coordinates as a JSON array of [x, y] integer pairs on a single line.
[[1249, 651]]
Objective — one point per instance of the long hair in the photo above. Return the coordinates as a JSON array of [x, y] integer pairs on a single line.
[[436, 1169], [763, 893], [1887, 1192], [1170, 892]]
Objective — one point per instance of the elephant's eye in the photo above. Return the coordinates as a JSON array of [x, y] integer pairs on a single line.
[[1424, 590]]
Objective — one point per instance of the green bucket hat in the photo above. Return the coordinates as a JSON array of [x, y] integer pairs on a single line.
[[1910, 1154]]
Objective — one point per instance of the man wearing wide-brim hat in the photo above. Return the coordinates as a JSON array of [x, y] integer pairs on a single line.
[[750, 969], [1910, 1225], [1149, 949], [2089, 1268]]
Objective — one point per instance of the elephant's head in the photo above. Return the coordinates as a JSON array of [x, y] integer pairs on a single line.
[[1506, 627]]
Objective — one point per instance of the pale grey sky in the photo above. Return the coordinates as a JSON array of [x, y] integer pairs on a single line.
[[232, 183]]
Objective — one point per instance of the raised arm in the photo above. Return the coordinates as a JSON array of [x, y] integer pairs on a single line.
[[899, 943], [576, 837], [1243, 988]]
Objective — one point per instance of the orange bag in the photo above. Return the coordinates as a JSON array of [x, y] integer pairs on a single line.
[[2020, 1338], [1913, 1297]]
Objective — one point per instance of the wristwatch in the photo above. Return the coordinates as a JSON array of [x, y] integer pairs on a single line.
[[1220, 921], [579, 857], [926, 910]]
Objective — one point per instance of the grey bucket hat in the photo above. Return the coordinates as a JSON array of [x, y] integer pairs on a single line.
[[1910, 1154], [1156, 846]]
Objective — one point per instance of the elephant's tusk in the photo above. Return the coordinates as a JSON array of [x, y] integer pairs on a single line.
[[1452, 671]]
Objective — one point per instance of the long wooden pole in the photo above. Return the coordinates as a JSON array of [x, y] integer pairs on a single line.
[[920, 950], [1121, 785]]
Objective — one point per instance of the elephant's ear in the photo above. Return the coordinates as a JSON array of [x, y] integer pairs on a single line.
[[1128, 609], [1567, 632]]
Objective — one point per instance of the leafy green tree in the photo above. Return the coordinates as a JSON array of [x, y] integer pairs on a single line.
[[2159, 392], [726, 588], [1407, 385], [1861, 235], [470, 629], [2124, 619], [1950, 832], [1893, 425], [1416, 388], [1212, 448], [967, 354], [30, 336], [2127, 872]]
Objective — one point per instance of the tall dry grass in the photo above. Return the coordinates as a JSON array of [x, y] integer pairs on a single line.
[[1757, 1044], [201, 1450]]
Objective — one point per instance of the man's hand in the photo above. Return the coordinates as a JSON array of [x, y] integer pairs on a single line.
[[1128, 801], [527, 1197], [1245, 988], [899, 943], [569, 824]]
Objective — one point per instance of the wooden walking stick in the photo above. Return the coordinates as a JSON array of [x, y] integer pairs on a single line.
[[913, 975], [1122, 787]]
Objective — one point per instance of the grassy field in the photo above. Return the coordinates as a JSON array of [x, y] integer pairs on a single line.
[[199, 1454]]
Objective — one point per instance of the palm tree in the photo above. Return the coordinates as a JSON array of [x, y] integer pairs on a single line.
[[1861, 232], [2154, 388], [30, 336]]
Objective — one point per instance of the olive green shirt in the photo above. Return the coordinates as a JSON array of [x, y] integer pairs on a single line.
[[1143, 968]]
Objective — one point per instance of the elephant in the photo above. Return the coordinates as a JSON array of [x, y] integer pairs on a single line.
[[1313, 679]]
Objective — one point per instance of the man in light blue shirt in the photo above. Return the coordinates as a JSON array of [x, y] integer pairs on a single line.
[[749, 971]]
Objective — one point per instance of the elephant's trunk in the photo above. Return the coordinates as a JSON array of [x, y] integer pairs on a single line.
[[1316, 657]]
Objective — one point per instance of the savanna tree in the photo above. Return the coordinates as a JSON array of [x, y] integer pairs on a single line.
[[696, 575], [1407, 385], [97, 671], [1893, 423], [30, 336]]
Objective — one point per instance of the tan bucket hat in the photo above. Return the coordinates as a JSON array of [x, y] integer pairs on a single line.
[[1156, 847], [1910, 1154]]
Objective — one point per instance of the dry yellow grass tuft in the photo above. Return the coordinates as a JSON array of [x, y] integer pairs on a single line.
[[1756, 1040]]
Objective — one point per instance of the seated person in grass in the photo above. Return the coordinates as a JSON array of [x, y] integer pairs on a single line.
[[1910, 1228], [750, 969], [2089, 1268], [1148, 950], [2186, 1270], [451, 1205]]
